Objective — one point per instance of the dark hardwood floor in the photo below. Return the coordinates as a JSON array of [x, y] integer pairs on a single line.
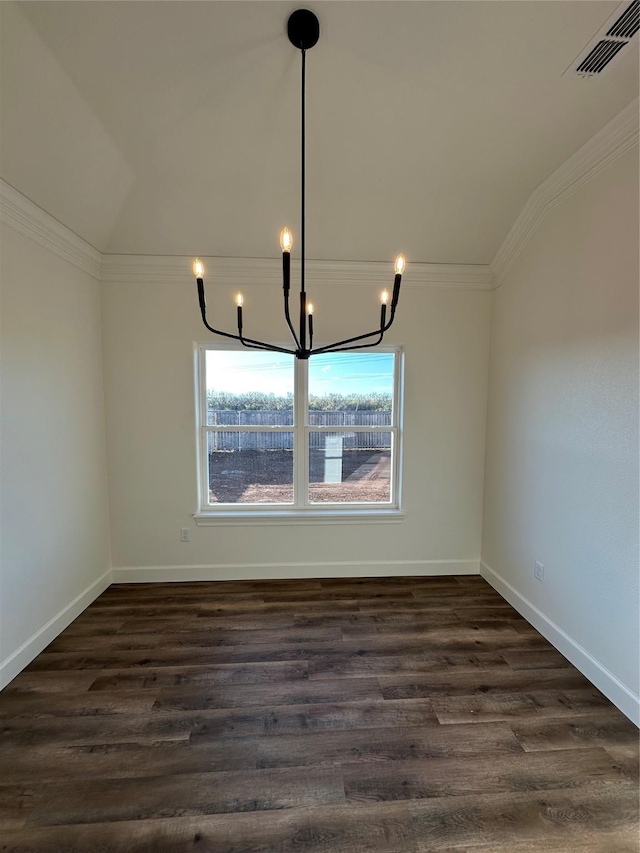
[[394, 715]]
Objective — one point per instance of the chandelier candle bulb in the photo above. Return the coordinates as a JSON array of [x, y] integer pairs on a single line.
[[400, 264], [240, 303], [198, 271], [286, 240]]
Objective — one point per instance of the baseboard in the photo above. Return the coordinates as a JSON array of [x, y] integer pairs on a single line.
[[599, 675], [23, 656], [278, 571]]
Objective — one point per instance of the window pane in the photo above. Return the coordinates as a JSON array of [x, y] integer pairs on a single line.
[[250, 467], [351, 389], [249, 388], [346, 467]]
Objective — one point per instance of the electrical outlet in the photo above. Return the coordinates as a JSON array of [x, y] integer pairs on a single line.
[[538, 571], [185, 534]]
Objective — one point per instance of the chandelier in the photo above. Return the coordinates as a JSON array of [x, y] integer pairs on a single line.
[[303, 30]]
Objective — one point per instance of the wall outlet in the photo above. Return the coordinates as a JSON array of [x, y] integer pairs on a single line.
[[538, 571], [185, 534]]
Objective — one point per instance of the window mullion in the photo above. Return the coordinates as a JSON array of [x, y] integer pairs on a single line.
[[352, 428], [301, 461], [202, 417], [397, 418], [248, 428], [396, 404]]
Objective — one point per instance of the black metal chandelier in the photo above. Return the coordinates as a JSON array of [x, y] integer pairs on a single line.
[[303, 30]]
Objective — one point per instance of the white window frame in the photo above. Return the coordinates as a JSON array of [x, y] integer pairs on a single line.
[[304, 511]]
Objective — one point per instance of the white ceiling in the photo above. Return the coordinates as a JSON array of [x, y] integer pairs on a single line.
[[173, 127]]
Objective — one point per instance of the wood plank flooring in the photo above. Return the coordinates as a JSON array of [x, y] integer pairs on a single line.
[[386, 715]]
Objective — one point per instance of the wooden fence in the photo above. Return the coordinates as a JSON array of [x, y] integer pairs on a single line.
[[237, 439]]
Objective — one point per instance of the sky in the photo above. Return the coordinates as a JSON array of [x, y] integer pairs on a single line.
[[333, 373]]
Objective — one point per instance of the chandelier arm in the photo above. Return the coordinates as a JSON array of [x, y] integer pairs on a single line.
[[247, 342], [203, 313], [217, 331], [252, 344], [391, 319], [379, 332], [348, 349], [288, 319], [383, 328], [244, 343], [265, 347]]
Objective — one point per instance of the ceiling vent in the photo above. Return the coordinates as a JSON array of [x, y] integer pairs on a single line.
[[608, 41]]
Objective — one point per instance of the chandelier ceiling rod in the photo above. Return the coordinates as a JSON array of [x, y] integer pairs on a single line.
[[303, 30], [303, 128]]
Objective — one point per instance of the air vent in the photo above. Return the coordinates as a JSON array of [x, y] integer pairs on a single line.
[[608, 41], [628, 23], [601, 54]]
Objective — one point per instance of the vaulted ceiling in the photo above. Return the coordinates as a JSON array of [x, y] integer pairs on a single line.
[[173, 127]]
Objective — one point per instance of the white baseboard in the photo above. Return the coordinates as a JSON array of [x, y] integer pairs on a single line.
[[277, 571], [23, 656], [621, 696]]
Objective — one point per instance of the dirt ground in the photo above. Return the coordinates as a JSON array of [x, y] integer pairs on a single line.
[[250, 476]]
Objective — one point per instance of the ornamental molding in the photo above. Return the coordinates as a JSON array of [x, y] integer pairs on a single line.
[[25, 217], [237, 272], [610, 143]]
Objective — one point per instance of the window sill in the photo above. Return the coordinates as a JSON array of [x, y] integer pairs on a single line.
[[296, 516]]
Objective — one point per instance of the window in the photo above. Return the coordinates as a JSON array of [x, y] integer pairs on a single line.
[[280, 436]]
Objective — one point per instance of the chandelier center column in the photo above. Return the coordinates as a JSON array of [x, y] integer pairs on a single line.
[[303, 294]]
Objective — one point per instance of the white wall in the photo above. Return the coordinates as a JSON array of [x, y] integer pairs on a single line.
[[54, 511], [561, 481], [150, 325]]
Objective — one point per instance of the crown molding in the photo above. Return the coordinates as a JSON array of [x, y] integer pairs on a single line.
[[25, 217], [614, 140], [132, 269], [21, 214]]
